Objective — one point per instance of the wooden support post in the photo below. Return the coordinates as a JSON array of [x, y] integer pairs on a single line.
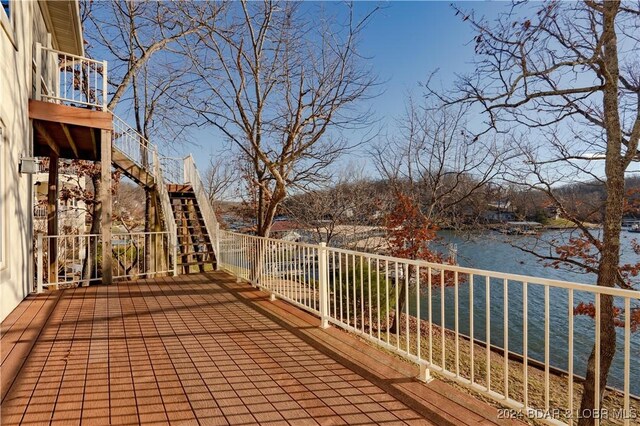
[[52, 219], [105, 199]]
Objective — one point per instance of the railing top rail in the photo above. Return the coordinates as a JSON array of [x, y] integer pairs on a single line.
[[121, 234], [130, 129], [612, 291], [115, 234], [71, 55], [68, 235]]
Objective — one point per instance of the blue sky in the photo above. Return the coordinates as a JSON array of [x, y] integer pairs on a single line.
[[405, 42]]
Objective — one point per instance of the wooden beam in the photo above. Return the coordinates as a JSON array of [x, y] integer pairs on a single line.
[[70, 140], [105, 199], [47, 111], [52, 218], [42, 131], [94, 143]]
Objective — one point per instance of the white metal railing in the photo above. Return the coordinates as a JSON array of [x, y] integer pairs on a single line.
[[63, 168], [132, 144], [167, 212], [130, 250], [192, 176], [513, 338], [70, 79], [173, 170], [39, 211], [77, 259]]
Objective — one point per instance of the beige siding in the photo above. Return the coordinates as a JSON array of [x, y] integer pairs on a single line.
[[16, 196]]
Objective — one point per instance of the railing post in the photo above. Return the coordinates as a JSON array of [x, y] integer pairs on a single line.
[[40, 263], [186, 172], [104, 86], [174, 259], [323, 275], [425, 374], [38, 71], [216, 246]]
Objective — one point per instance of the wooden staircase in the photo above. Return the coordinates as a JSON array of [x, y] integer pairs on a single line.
[[131, 169], [195, 250]]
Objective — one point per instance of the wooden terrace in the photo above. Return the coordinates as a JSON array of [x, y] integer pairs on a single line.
[[204, 349]]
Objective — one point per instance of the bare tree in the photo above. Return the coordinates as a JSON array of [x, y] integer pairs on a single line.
[[145, 72], [279, 84], [562, 77], [220, 179], [438, 162], [342, 211]]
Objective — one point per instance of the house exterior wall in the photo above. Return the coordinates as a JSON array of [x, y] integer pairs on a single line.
[[18, 35]]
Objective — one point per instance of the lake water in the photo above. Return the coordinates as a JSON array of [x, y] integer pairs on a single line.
[[496, 252]]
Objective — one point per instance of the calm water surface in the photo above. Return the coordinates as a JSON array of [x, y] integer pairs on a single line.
[[496, 252]]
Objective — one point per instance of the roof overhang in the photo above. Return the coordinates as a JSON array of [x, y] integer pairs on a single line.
[[62, 18]]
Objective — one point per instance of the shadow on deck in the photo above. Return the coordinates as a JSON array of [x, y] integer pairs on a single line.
[[204, 349]]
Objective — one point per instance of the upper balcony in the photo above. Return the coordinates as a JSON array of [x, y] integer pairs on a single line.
[[69, 104]]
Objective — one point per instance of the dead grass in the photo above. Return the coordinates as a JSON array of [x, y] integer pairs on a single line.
[[443, 350]]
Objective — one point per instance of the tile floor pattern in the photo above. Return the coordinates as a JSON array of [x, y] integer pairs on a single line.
[[188, 353]]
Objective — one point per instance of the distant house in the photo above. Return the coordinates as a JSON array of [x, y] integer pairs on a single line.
[[288, 230], [499, 211]]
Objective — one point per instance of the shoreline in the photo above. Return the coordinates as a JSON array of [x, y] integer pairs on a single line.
[[557, 378]]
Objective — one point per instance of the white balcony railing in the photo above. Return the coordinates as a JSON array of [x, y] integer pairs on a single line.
[[64, 212], [70, 79], [510, 337], [77, 258], [64, 168], [39, 211]]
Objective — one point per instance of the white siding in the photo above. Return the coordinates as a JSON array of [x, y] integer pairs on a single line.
[[16, 197]]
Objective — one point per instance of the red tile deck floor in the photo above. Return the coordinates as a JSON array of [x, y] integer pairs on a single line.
[[203, 349]]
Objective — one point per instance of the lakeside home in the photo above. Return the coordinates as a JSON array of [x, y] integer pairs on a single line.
[[189, 323]]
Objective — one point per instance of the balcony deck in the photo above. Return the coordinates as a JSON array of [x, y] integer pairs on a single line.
[[204, 349]]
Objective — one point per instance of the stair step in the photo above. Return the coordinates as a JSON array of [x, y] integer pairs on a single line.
[[182, 216], [196, 263], [193, 221], [178, 188], [193, 253], [182, 197], [190, 212], [183, 208]]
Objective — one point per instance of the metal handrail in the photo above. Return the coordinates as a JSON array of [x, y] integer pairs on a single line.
[[193, 177], [167, 211], [131, 143], [360, 292]]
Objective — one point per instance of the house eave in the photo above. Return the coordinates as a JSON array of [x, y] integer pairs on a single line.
[[62, 19]]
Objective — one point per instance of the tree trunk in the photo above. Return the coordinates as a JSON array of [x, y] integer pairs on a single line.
[[52, 217], [610, 251], [91, 250], [401, 299]]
